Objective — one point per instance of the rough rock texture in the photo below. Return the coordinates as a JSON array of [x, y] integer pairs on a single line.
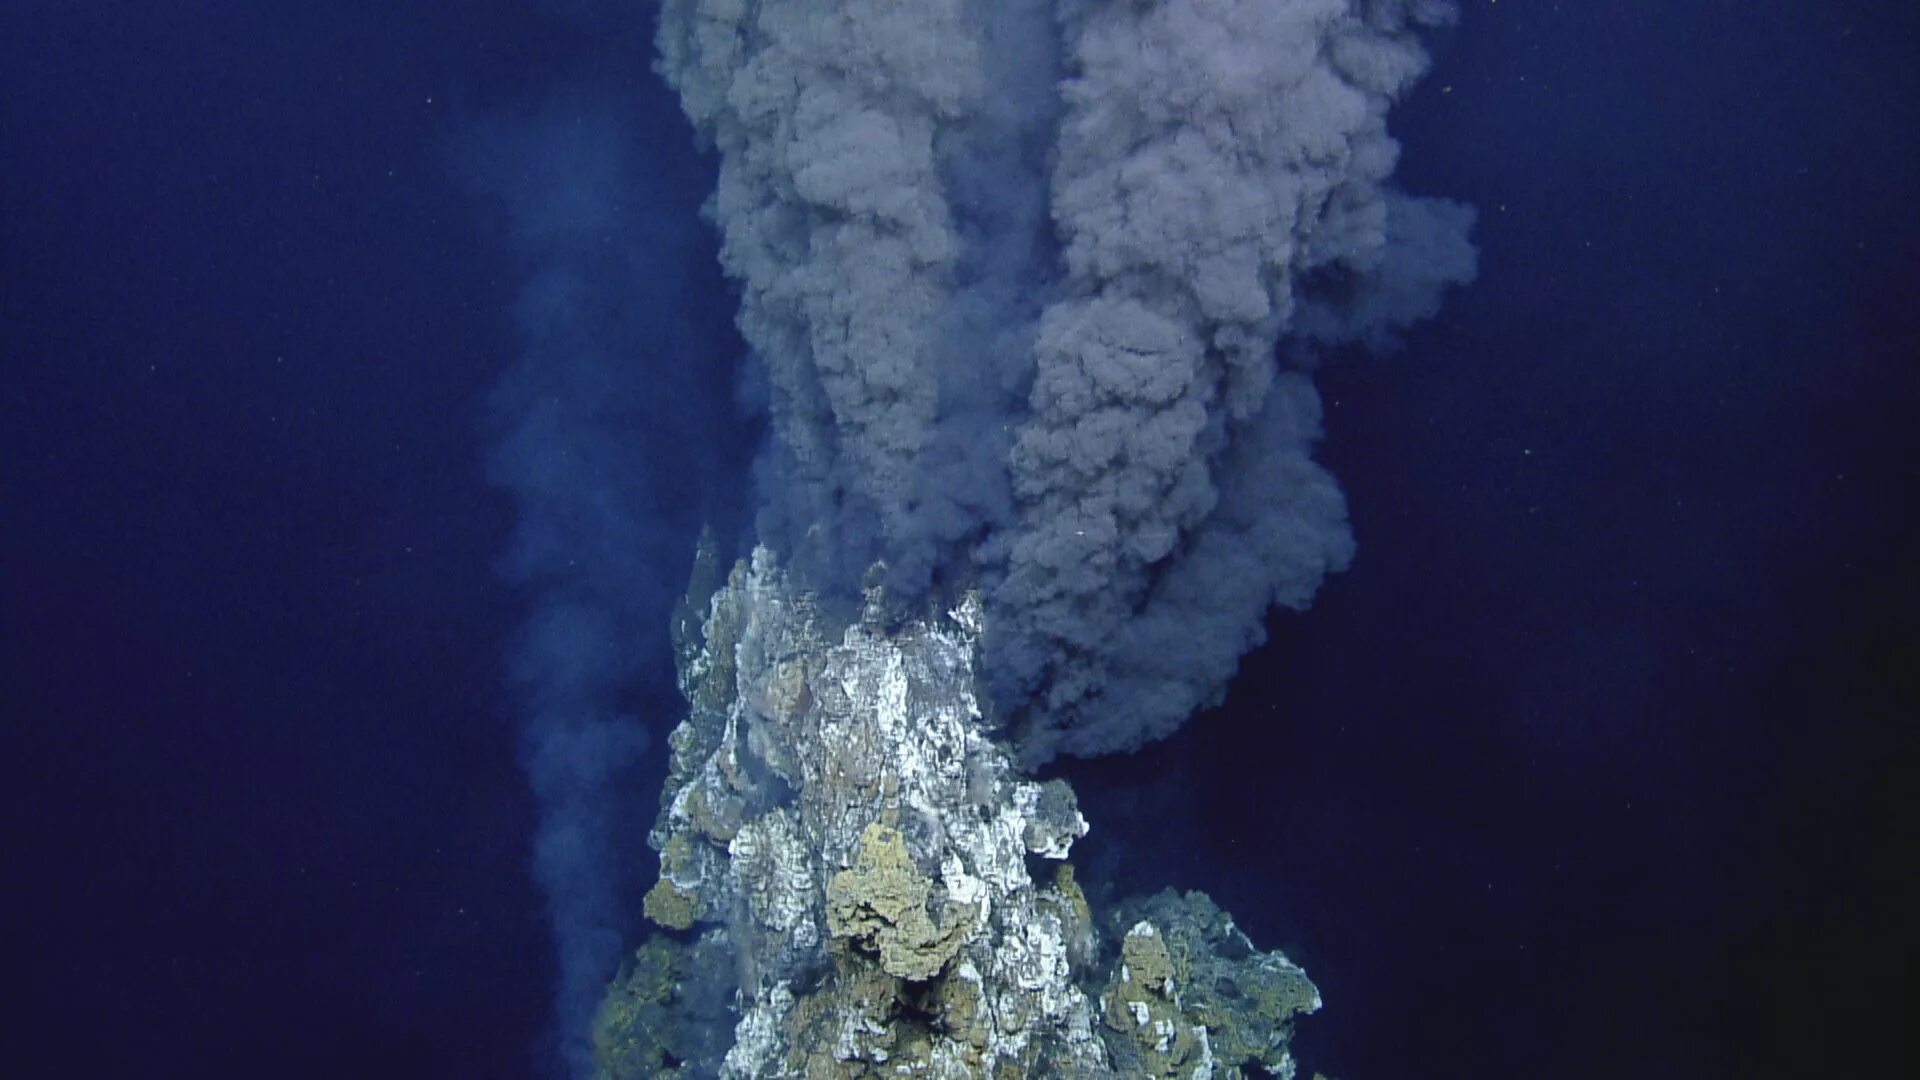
[[1193, 994], [876, 889], [880, 907]]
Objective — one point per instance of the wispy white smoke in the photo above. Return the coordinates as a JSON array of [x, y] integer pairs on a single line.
[[608, 431], [1018, 276]]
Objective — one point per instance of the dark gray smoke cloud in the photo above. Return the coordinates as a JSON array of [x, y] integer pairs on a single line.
[[1018, 277], [609, 432]]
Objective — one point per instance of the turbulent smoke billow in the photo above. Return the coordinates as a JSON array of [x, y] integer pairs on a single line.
[[608, 432], [1034, 289]]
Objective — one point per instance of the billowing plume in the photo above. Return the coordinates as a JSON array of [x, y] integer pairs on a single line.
[[1019, 278]]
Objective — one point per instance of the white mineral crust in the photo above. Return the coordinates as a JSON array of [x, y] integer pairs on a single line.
[[826, 733]]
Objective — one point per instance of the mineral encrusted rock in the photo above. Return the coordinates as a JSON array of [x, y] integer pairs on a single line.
[[879, 907], [858, 882], [1191, 990]]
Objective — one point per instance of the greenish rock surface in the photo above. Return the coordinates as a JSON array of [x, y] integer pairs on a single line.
[[1193, 968], [659, 1016], [630, 1029]]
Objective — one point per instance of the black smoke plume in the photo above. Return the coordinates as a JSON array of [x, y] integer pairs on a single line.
[[1019, 278]]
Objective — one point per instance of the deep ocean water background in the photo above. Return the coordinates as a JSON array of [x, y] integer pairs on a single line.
[[1593, 762]]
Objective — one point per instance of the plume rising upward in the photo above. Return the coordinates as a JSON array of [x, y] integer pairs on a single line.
[[1033, 289]]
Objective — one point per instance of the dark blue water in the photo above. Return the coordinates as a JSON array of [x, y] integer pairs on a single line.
[[1595, 762]]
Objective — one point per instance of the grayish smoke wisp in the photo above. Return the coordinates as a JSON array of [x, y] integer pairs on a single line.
[[1019, 277]]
